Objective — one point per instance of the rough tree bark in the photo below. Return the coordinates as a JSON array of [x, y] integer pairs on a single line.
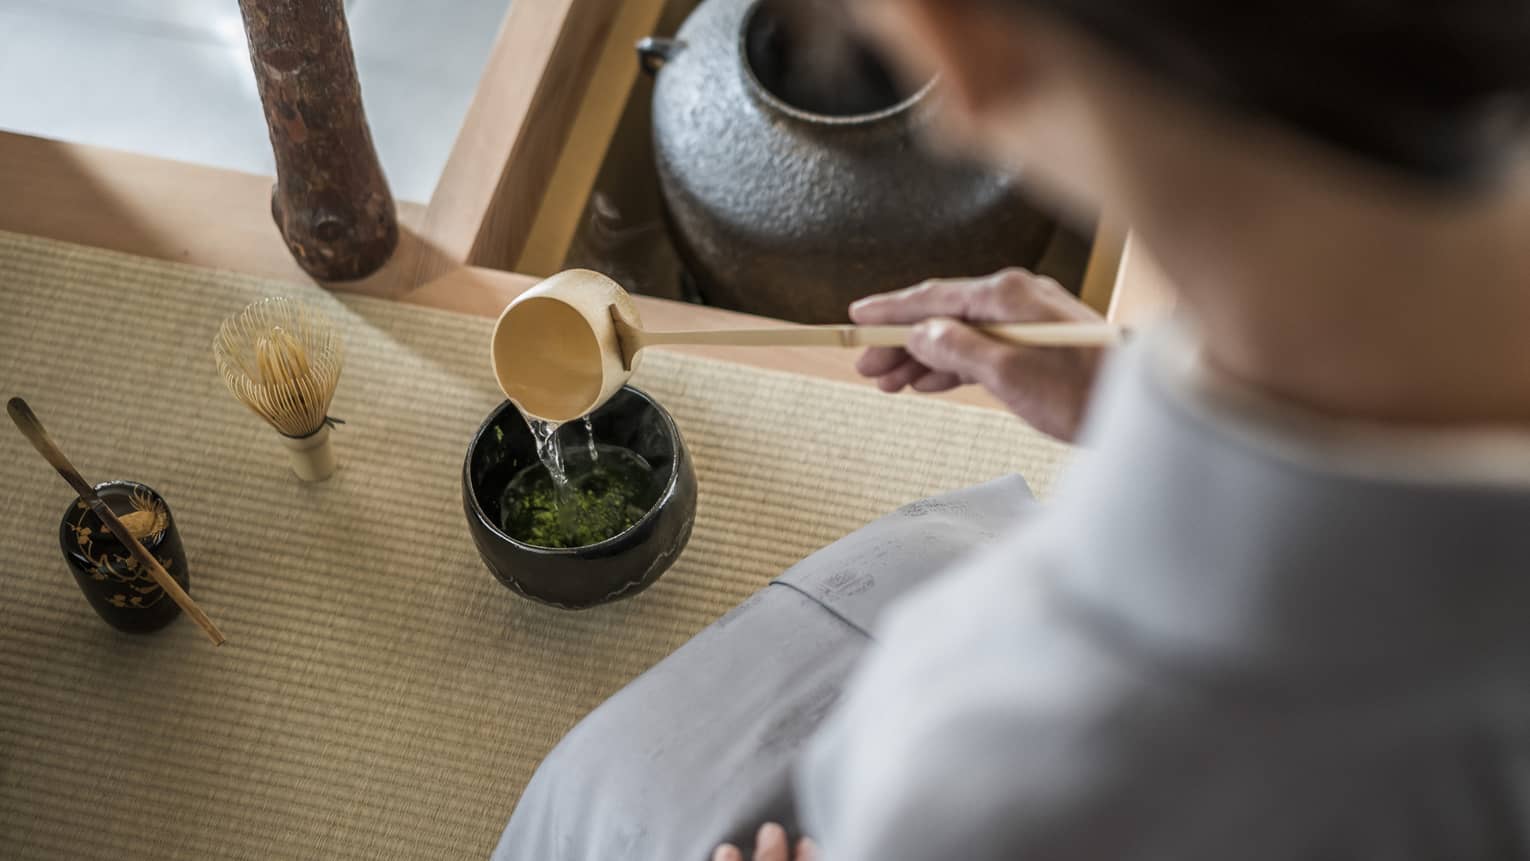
[[331, 201]]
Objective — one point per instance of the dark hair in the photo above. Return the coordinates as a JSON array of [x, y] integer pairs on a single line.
[[1435, 88]]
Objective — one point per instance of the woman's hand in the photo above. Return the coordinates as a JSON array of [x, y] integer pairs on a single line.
[[770, 844], [1046, 386]]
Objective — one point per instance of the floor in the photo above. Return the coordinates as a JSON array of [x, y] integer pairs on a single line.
[[172, 78]]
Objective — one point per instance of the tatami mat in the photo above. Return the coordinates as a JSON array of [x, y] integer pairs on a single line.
[[380, 696]]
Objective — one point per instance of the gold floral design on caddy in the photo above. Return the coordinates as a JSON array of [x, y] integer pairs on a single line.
[[147, 522]]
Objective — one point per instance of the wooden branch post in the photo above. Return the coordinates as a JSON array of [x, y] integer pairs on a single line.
[[331, 201]]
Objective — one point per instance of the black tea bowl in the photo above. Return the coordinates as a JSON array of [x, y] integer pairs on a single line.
[[120, 591], [577, 578]]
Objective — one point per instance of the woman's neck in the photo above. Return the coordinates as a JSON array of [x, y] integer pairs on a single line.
[[1367, 306]]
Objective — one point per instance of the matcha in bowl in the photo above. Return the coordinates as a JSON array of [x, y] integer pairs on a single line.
[[603, 491], [582, 514]]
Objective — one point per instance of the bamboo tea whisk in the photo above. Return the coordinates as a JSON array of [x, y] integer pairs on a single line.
[[281, 358]]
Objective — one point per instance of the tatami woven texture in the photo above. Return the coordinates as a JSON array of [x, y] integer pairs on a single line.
[[380, 696]]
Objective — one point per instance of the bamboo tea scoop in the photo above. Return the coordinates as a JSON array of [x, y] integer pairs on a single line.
[[566, 345], [33, 430]]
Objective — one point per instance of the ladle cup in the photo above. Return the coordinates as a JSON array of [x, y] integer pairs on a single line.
[[566, 345]]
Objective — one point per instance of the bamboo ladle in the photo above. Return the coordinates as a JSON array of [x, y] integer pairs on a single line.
[[566, 345]]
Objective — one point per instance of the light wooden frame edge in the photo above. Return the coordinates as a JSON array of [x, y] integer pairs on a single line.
[[480, 213], [456, 249]]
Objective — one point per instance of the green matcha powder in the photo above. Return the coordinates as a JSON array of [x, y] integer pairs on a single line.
[[603, 496]]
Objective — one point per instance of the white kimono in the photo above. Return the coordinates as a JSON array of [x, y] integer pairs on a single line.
[[1235, 632]]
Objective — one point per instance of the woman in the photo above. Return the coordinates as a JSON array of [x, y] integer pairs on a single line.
[[1279, 609]]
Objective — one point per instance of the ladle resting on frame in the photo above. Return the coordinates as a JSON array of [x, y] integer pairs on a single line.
[[566, 345]]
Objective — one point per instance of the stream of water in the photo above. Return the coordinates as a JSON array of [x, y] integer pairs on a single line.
[[576, 497]]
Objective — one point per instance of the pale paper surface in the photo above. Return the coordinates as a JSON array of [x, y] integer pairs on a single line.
[[380, 694]]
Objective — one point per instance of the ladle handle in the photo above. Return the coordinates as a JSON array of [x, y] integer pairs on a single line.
[[1024, 334]]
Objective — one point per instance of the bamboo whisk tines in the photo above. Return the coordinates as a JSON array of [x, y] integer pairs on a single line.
[[282, 358]]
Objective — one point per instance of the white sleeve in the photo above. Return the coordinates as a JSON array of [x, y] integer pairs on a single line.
[[995, 722]]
